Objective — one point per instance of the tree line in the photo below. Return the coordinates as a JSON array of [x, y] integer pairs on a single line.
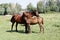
[[41, 7], [9, 8]]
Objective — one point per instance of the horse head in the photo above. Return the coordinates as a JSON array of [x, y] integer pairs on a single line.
[[35, 13]]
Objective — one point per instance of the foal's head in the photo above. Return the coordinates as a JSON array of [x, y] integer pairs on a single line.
[[30, 14], [35, 13]]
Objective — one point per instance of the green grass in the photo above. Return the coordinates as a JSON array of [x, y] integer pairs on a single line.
[[51, 26]]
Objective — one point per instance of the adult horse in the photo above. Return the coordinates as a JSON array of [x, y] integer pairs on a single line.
[[18, 18]]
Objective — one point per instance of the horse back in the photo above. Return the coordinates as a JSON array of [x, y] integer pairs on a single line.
[[16, 18]]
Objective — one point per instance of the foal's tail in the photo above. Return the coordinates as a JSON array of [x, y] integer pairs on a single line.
[[42, 21], [12, 19]]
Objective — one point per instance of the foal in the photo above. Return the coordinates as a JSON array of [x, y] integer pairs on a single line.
[[34, 20]]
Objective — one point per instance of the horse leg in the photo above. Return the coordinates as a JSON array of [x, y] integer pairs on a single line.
[[16, 27], [41, 28], [26, 31], [28, 27], [12, 26]]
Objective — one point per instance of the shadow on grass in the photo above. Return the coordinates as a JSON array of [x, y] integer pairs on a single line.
[[20, 31], [34, 32], [56, 25]]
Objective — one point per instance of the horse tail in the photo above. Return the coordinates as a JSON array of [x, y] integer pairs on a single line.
[[12, 19], [42, 21]]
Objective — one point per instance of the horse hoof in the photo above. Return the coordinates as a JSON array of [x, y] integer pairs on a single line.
[[29, 32], [16, 31], [26, 32]]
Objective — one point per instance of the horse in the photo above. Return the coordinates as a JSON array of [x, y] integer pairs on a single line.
[[33, 21], [18, 18]]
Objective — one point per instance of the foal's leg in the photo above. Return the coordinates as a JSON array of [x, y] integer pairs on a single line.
[[12, 26], [41, 28], [16, 26]]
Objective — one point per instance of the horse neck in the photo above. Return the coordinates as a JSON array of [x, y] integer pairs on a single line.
[[29, 15]]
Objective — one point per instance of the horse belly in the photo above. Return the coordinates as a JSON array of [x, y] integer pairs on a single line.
[[21, 22], [34, 21]]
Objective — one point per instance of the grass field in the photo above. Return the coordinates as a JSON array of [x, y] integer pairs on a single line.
[[51, 26]]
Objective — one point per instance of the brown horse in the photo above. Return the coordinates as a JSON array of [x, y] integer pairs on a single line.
[[18, 18], [34, 20]]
